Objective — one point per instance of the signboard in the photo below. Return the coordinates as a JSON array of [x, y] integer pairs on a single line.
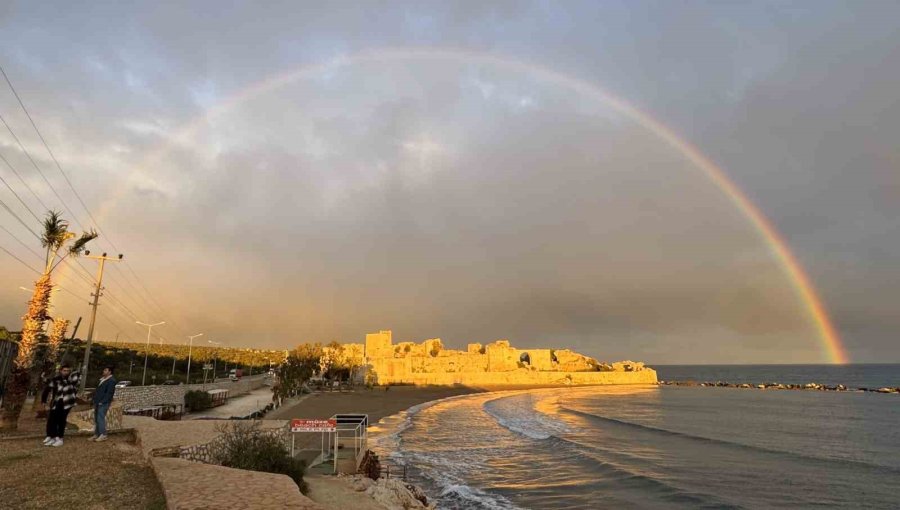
[[303, 425]]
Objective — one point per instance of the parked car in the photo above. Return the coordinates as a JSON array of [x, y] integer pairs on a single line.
[[169, 382], [123, 384]]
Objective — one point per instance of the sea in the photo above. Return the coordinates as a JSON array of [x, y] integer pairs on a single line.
[[660, 446]]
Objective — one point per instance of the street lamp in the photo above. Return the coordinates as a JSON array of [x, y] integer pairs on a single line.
[[147, 351], [190, 348], [215, 358]]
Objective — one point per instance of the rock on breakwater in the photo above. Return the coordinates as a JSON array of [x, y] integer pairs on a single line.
[[779, 386]]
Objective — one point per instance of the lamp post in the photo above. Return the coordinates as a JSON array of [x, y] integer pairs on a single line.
[[147, 352], [215, 358], [190, 348]]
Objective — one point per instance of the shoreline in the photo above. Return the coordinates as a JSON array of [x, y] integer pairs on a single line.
[[383, 401], [379, 403]]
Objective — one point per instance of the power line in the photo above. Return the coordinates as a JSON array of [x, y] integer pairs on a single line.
[[16, 216], [17, 173], [57, 285], [72, 187], [36, 254], [53, 157], [40, 172], [14, 191], [13, 255]]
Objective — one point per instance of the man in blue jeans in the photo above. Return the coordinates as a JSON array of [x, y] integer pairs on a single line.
[[102, 399]]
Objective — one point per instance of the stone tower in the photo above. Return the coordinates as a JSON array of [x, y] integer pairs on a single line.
[[379, 345]]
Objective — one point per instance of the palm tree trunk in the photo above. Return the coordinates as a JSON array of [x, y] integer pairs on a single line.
[[22, 375], [14, 399]]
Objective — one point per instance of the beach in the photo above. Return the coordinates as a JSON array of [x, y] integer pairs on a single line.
[[376, 402]]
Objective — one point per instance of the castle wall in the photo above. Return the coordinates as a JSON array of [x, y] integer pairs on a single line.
[[496, 363], [523, 377], [378, 344]]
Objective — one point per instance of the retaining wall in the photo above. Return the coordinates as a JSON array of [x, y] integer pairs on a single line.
[[141, 396], [84, 420], [204, 452]]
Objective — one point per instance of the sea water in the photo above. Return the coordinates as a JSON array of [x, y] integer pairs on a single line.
[[660, 447]]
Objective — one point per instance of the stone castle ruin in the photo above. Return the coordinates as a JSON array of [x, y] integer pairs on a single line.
[[496, 363]]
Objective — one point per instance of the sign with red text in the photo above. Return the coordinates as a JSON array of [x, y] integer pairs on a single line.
[[305, 425]]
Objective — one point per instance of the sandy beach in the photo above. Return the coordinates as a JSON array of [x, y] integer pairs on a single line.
[[376, 402]]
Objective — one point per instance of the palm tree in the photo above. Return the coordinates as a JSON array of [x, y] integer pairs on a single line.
[[51, 356], [55, 239]]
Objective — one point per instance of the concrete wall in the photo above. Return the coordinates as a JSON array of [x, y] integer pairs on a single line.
[[140, 396]]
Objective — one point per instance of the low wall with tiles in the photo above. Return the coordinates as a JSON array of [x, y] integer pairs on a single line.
[[142, 396], [84, 420]]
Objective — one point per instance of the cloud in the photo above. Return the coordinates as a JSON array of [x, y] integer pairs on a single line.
[[465, 201]]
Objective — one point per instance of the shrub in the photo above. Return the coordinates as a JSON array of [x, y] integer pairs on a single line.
[[196, 400], [243, 445]]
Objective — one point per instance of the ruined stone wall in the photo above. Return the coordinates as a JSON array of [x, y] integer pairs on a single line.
[[570, 361], [497, 363], [501, 357], [378, 344]]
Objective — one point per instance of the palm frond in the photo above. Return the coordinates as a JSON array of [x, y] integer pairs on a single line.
[[55, 230], [78, 246]]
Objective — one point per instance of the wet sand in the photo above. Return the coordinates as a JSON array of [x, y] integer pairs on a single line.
[[376, 402]]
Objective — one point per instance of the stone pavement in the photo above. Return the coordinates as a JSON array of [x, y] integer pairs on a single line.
[[194, 486]]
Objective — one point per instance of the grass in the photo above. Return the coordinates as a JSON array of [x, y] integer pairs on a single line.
[[80, 474]]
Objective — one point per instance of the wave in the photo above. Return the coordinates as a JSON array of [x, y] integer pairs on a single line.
[[625, 478], [466, 497], [524, 420], [388, 430], [730, 444]]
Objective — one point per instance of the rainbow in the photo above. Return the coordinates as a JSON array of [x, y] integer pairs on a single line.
[[830, 341]]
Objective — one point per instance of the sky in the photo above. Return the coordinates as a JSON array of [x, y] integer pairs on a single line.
[[284, 172]]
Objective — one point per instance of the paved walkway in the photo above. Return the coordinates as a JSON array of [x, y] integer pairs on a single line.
[[239, 406], [194, 486]]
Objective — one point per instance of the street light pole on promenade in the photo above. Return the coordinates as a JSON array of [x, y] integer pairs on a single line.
[[190, 348], [147, 351], [215, 359]]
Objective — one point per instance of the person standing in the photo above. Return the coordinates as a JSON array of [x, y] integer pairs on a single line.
[[103, 397], [61, 390]]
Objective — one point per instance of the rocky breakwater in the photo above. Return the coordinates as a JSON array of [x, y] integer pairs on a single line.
[[779, 386], [391, 492]]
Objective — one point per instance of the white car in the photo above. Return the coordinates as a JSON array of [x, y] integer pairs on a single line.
[[123, 384]]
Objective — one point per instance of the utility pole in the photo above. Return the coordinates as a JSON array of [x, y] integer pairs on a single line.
[[97, 293]]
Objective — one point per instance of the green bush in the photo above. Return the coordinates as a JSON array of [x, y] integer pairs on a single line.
[[243, 445], [197, 400]]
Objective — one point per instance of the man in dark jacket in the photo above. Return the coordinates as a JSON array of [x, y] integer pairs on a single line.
[[103, 397], [61, 390]]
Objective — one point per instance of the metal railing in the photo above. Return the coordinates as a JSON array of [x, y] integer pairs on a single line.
[[401, 472]]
